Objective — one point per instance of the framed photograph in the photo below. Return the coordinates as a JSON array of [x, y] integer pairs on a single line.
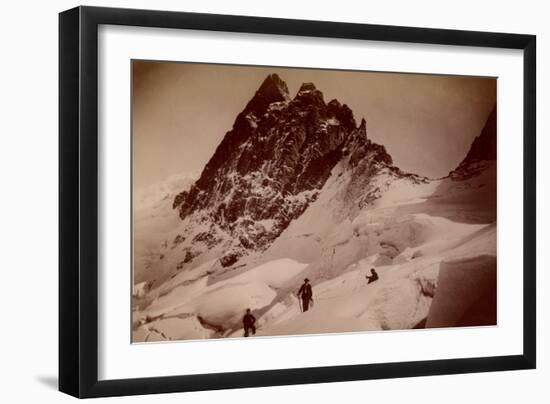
[[251, 201]]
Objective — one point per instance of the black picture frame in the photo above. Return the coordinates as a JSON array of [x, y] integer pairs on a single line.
[[78, 200]]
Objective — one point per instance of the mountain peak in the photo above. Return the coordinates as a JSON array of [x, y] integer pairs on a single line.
[[273, 89], [307, 87], [273, 81], [273, 84], [272, 165], [309, 94]]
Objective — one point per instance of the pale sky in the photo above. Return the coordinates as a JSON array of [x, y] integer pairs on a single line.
[[181, 112]]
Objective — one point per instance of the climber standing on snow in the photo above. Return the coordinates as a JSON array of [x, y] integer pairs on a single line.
[[306, 294], [373, 277], [249, 323]]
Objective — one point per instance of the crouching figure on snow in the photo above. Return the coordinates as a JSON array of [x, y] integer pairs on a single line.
[[373, 277]]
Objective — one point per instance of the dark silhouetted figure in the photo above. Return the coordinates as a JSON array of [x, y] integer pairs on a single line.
[[306, 294], [373, 277], [249, 323]]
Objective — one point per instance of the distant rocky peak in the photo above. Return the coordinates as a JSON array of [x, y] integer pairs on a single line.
[[273, 89], [334, 104], [341, 112], [309, 94], [274, 85], [307, 87]]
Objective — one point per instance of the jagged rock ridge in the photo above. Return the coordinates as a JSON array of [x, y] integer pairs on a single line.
[[271, 165]]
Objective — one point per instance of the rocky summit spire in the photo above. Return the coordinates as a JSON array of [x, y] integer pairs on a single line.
[[308, 94], [342, 113], [307, 87], [273, 89], [273, 84], [363, 125]]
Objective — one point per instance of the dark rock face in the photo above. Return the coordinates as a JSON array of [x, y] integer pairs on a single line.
[[483, 148], [272, 165]]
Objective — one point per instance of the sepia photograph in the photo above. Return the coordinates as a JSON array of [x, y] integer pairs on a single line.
[[275, 201]]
